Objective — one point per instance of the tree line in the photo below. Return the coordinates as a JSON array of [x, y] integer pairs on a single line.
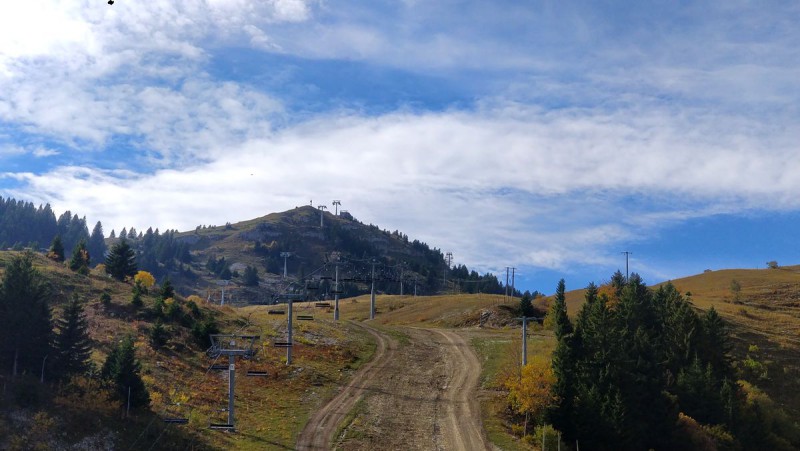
[[642, 369], [22, 224], [34, 345]]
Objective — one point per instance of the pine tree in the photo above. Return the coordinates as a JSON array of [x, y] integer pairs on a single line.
[[122, 369], [97, 244], [56, 252], [80, 259], [121, 261], [251, 278], [26, 327], [166, 290], [561, 322], [716, 346], [158, 334], [72, 344]]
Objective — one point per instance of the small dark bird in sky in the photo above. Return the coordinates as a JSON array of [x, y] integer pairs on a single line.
[[110, 2]]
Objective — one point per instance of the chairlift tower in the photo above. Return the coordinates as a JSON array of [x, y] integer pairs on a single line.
[[289, 343], [336, 292], [322, 209], [336, 205], [285, 256], [223, 284], [231, 346]]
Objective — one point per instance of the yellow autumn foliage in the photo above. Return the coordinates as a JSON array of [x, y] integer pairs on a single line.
[[531, 392], [145, 279]]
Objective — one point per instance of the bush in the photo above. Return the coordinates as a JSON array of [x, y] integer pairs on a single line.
[[136, 299], [202, 329], [173, 311], [158, 335], [105, 299], [550, 435], [193, 308]]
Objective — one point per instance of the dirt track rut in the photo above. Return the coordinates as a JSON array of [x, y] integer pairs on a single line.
[[418, 392]]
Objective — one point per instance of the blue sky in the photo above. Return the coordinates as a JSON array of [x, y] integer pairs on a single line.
[[536, 134]]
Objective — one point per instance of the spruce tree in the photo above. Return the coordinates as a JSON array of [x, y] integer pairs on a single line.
[[97, 244], [26, 327], [72, 345], [80, 259], [251, 278], [561, 321], [166, 290], [158, 334], [56, 252], [122, 370], [121, 261]]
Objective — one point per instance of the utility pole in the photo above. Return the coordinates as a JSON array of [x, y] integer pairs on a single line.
[[512, 284], [285, 256], [336, 292], [524, 320], [401, 278], [372, 293], [627, 254], [322, 208], [448, 258], [336, 204], [505, 296]]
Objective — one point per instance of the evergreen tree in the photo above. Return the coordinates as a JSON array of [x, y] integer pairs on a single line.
[[26, 327], [121, 261], [251, 278], [564, 360], [79, 261], [716, 344], [167, 291], [561, 322], [526, 305], [97, 244], [122, 369], [72, 344], [56, 252], [158, 334]]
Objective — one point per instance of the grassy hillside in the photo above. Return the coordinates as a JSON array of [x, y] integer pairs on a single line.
[[259, 243], [270, 410]]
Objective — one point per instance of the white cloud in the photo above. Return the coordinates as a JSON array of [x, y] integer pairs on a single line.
[[613, 131], [11, 150], [41, 152], [541, 188]]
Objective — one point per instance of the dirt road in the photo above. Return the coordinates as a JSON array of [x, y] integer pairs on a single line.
[[418, 392], [322, 425]]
